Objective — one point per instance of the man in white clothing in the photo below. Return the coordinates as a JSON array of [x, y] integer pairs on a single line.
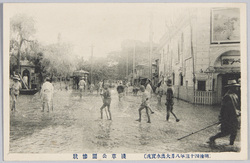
[[15, 89], [82, 85], [149, 88], [47, 93], [25, 80]]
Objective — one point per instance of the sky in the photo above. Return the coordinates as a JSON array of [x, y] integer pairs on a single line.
[[104, 26]]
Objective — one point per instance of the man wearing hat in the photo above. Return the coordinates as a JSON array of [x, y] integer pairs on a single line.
[[15, 87], [170, 101], [47, 93], [228, 114]]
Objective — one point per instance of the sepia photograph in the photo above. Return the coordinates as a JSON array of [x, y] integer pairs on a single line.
[[124, 81]]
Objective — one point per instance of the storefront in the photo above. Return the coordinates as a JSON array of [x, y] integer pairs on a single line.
[[227, 67]]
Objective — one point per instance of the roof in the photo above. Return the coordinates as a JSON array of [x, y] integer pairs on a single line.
[[26, 63], [80, 73], [141, 65]]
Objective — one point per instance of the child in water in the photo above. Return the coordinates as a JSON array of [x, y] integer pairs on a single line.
[[144, 104], [106, 97]]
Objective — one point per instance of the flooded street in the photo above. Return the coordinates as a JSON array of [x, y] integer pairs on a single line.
[[82, 57], [75, 126]]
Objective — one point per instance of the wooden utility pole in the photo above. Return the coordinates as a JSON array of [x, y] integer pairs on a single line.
[[192, 54], [150, 45], [127, 65], [133, 71], [91, 66]]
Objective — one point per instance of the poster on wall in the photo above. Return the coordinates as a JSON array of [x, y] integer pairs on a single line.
[[225, 25]]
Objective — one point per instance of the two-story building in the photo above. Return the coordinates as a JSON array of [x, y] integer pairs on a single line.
[[200, 52]]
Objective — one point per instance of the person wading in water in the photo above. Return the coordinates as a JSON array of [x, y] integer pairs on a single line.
[[106, 97], [144, 104], [230, 110], [170, 101]]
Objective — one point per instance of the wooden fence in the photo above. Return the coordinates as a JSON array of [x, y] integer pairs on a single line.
[[205, 97]]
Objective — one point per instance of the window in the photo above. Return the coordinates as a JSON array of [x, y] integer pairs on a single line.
[[182, 43], [201, 86], [213, 84], [173, 78], [181, 79]]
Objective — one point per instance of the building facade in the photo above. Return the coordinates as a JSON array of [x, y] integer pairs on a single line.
[[200, 52]]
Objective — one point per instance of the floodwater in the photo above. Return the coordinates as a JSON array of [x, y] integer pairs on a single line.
[[74, 126]]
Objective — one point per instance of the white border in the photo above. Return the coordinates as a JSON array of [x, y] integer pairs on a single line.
[[60, 157]]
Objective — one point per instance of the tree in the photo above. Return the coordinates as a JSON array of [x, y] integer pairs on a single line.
[[58, 61], [21, 32], [50, 60], [102, 68]]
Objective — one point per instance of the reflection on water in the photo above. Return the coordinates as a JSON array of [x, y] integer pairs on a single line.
[[28, 118], [103, 133], [144, 131], [75, 126]]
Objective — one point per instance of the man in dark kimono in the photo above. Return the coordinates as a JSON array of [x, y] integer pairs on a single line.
[[170, 100], [120, 90], [228, 114]]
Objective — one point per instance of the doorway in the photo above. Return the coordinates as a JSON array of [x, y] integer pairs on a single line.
[[27, 74]]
